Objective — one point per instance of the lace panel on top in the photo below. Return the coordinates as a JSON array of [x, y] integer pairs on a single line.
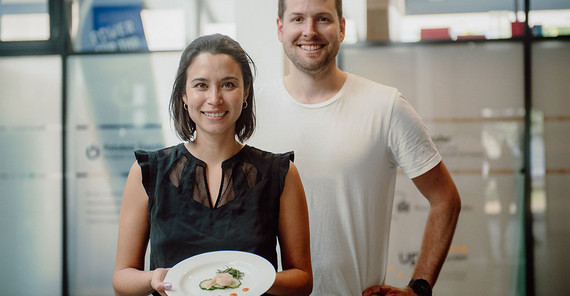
[[200, 192], [176, 172], [250, 172], [227, 192]]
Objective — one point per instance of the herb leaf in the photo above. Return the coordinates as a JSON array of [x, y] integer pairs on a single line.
[[234, 272]]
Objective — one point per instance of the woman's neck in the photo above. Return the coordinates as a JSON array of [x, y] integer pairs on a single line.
[[213, 151]]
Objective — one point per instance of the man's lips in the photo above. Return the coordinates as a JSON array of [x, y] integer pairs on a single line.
[[311, 47]]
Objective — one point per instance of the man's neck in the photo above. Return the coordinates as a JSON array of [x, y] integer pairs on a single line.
[[314, 88]]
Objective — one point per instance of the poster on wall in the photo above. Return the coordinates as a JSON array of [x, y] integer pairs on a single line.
[[113, 28]]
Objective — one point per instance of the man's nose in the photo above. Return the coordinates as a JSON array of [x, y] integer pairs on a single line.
[[310, 28]]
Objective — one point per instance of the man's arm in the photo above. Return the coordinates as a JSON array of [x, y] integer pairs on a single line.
[[438, 188]]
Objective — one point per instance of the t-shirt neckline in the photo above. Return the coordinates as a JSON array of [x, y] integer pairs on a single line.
[[326, 103]]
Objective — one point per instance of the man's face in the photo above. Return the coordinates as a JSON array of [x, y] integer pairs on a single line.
[[311, 34]]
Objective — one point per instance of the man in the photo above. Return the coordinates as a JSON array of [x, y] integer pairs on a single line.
[[350, 135]]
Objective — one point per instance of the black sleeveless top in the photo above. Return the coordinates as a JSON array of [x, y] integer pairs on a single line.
[[183, 221]]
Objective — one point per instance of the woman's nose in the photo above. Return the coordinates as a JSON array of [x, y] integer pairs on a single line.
[[215, 96]]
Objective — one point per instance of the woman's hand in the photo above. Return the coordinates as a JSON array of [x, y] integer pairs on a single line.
[[157, 281]]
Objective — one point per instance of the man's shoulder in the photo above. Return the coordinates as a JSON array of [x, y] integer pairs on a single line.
[[370, 93], [366, 83]]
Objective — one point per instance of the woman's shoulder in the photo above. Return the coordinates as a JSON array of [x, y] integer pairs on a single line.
[[161, 153], [264, 155]]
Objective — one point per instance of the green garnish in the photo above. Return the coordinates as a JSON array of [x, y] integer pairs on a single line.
[[236, 274]]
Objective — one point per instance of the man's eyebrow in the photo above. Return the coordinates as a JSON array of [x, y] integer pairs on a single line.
[[324, 13]]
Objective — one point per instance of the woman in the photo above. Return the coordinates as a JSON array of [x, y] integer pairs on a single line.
[[212, 192]]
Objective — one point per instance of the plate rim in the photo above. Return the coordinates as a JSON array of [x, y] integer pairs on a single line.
[[175, 272]]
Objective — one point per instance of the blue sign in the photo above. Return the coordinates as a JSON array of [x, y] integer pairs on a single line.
[[116, 28]]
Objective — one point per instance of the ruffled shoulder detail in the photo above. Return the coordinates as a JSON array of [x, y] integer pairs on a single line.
[[147, 162], [284, 159]]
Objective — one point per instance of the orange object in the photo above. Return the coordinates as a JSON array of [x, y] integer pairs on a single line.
[[245, 289]]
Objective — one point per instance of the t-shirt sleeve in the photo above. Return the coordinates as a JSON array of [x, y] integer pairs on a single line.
[[410, 143]]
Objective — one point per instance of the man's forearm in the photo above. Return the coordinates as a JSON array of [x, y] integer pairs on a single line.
[[438, 235]]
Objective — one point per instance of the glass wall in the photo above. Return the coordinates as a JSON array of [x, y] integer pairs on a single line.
[[117, 104], [551, 177], [24, 20], [31, 214]]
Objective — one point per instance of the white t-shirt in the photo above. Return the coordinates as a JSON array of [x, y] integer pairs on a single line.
[[347, 151]]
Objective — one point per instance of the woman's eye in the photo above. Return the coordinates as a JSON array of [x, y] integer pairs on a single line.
[[228, 85], [200, 85]]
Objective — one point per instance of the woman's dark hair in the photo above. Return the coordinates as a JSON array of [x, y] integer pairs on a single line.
[[213, 44]]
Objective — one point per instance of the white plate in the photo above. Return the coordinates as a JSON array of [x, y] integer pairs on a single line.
[[259, 274]]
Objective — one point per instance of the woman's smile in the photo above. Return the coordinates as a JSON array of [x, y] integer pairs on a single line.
[[214, 114]]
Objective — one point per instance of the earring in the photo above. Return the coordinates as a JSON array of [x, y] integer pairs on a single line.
[[185, 107], [244, 104]]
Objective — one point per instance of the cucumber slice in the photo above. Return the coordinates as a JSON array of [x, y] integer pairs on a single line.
[[205, 283], [235, 283]]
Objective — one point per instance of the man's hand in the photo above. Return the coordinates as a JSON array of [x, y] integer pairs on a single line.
[[386, 290]]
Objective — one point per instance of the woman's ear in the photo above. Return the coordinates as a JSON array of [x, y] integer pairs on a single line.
[[245, 95], [185, 98]]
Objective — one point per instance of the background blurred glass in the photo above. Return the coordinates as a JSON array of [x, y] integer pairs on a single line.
[[117, 104], [99, 25], [551, 93], [31, 176], [24, 20]]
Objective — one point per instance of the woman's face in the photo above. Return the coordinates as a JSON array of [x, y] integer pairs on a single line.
[[215, 94]]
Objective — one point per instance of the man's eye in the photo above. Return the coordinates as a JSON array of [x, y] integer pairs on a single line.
[[297, 20]]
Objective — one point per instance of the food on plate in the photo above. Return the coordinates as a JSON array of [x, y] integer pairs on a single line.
[[228, 278]]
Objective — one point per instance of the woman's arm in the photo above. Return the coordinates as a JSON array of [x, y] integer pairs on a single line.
[[297, 275], [129, 277]]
